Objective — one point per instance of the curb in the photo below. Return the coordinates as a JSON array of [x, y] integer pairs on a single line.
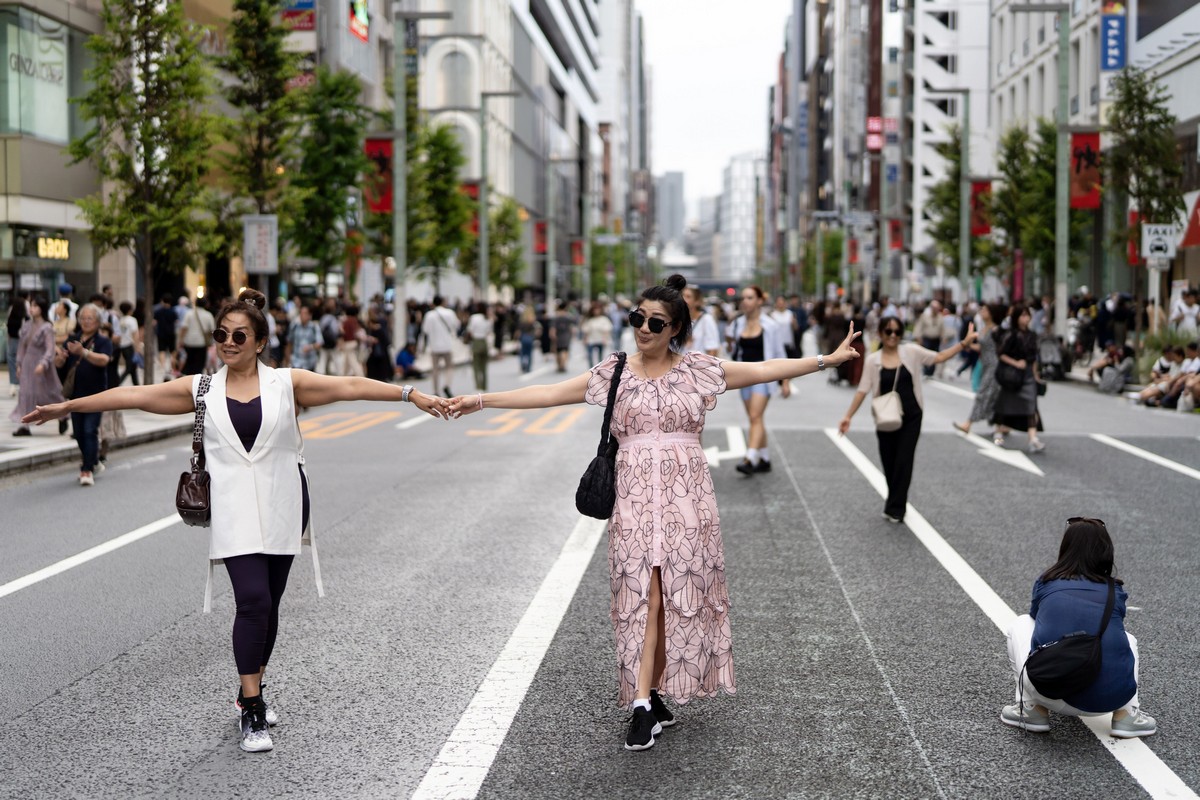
[[21, 462]]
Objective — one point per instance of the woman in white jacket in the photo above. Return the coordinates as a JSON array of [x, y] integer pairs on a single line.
[[254, 455], [754, 336]]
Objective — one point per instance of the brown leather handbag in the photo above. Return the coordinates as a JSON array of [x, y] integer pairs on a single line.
[[193, 497]]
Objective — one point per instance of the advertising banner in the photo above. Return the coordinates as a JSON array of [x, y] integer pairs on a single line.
[[378, 186], [299, 15], [1085, 170], [1112, 38], [260, 244], [981, 218]]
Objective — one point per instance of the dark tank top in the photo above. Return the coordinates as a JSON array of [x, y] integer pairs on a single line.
[[750, 348], [247, 419]]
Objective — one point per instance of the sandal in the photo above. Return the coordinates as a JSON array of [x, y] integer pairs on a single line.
[[965, 431]]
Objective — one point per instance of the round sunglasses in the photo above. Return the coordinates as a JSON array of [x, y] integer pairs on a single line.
[[637, 319], [220, 336]]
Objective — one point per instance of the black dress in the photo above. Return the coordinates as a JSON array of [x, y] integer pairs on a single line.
[[1017, 408]]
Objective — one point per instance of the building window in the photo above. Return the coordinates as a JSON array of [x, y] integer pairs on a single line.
[[456, 80], [44, 63]]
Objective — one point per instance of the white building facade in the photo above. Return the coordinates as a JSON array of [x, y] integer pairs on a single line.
[[739, 218]]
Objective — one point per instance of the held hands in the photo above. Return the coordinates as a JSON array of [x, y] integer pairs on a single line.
[[44, 414], [431, 405], [464, 404], [845, 352]]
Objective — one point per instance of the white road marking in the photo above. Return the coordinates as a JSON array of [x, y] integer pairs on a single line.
[[989, 449], [87, 555], [952, 389], [537, 373], [1147, 455], [1133, 754], [461, 766], [737, 447], [140, 461], [412, 423]]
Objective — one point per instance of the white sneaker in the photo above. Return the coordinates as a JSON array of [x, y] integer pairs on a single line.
[[86, 479], [1037, 446], [256, 737]]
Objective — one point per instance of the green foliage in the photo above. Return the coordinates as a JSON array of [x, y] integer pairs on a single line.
[[622, 262], [331, 163], [149, 138], [1142, 162], [441, 211], [1038, 237], [1013, 207], [262, 131], [944, 204], [506, 264], [831, 255]]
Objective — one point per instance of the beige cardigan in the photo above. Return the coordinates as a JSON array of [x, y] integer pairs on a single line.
[[912, 357]]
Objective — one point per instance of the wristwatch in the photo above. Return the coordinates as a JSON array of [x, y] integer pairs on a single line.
[[820, 362], [404, 395]]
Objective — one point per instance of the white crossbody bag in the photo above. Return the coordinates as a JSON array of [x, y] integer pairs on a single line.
[[887, 408]]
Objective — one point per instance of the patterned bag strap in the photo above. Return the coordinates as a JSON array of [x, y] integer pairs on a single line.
[[605, 433], [198, 460]]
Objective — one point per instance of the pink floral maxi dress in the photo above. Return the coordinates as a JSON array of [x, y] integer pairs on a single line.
[[666, 516]]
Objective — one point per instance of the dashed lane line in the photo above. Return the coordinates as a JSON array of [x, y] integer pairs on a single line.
[[1159, 781], [89, 554], [952, 389], [412, 423], [463, 763], [537, 373], [1153, 458]]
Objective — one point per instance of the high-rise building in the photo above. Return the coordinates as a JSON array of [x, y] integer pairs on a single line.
[[739, 217], [668, 199]]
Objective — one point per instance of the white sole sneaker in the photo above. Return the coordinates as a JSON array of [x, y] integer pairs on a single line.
[[272, 717], [254, 741]]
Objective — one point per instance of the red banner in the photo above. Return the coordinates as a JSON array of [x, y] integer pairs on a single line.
[[981, 216], [577, 252], [539, 237], [471, 190], [896, 236], [852, 251], [378, 185], [1133, 255], [1085, 170]]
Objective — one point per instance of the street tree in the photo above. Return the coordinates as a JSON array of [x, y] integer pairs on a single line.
[[1142, 163], [149, 136], [261, 133], [334, 122], [1039, 235], [613, 267], [1013, 207], [944, 204], [439, 227], [506, 264]]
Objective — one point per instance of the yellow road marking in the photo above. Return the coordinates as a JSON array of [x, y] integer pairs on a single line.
[[309, 424], [356, 423], [508, 422], [542, 425]]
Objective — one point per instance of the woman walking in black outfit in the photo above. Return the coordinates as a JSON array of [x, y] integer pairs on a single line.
[[897, 367], [1017, 408]]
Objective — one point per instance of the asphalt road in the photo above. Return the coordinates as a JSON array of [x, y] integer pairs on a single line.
[[864, 668]]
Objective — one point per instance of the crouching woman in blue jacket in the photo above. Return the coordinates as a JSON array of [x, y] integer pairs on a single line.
[[1071, 596]]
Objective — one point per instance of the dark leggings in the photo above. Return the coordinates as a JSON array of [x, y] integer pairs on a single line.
[[896, 452], [258, 582]]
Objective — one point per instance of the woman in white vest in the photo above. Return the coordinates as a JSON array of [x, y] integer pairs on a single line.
[[255, 458]]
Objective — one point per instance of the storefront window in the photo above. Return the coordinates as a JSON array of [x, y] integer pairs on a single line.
[[43, 63]]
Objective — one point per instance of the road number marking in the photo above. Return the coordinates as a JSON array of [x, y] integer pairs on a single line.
[[569, 417], [338, 424]]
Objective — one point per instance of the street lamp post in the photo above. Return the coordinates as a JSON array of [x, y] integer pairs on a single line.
[[484, 217], [964, 192], [400, 167], [1062, 13]]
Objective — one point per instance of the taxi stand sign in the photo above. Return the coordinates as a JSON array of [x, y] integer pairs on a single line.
[[1158, 241], [260, 245]]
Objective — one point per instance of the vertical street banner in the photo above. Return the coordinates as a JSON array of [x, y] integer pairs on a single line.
[[1085, 170], [1112, 44], [378, 185], [981, 221], [260, 244], [896, 236]]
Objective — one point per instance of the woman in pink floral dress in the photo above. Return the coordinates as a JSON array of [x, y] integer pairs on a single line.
[[670, 603]]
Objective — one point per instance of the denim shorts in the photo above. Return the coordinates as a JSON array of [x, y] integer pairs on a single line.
[[765, 389]]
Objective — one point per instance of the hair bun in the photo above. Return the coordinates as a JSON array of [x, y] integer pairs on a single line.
[[676, 282], [254, 298]]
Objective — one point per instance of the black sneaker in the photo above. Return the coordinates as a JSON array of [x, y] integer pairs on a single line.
[[643, 727], [661, 713], [746, 468], [762, 466], [269, 714], [256, 738]]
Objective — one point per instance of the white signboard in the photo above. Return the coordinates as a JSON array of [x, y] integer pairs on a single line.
[[1158, 241], [260, 244]]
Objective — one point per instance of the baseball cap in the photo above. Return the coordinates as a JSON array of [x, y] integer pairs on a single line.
[[65, 288]]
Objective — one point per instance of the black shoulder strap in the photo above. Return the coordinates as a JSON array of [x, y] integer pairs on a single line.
[[1108, 607], [605, 435]]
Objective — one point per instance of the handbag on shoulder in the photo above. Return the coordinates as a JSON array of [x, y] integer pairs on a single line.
[[597, 492], [887, 409], [193, 496], [1071, 664]]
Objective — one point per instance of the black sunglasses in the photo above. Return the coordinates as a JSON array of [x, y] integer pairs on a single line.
[[892, 331], [220, 336], [637, 319], [1093, 520]]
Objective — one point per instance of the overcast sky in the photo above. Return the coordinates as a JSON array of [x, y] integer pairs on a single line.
[[712, 61]]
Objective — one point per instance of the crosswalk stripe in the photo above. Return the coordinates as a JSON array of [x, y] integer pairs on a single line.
[[1134, 755]]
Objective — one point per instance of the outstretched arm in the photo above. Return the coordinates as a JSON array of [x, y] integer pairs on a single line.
[[739, 374], [173, 397], [951, 352], [313, 390], [844, 425], [572, 390]]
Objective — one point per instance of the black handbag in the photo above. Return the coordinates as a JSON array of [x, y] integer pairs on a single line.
[[1071, 664], [597, 492], [1009, 377], [193, 496]]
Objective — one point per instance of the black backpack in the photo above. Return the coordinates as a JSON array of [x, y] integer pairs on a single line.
[[330, 335], [1071, 664]]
